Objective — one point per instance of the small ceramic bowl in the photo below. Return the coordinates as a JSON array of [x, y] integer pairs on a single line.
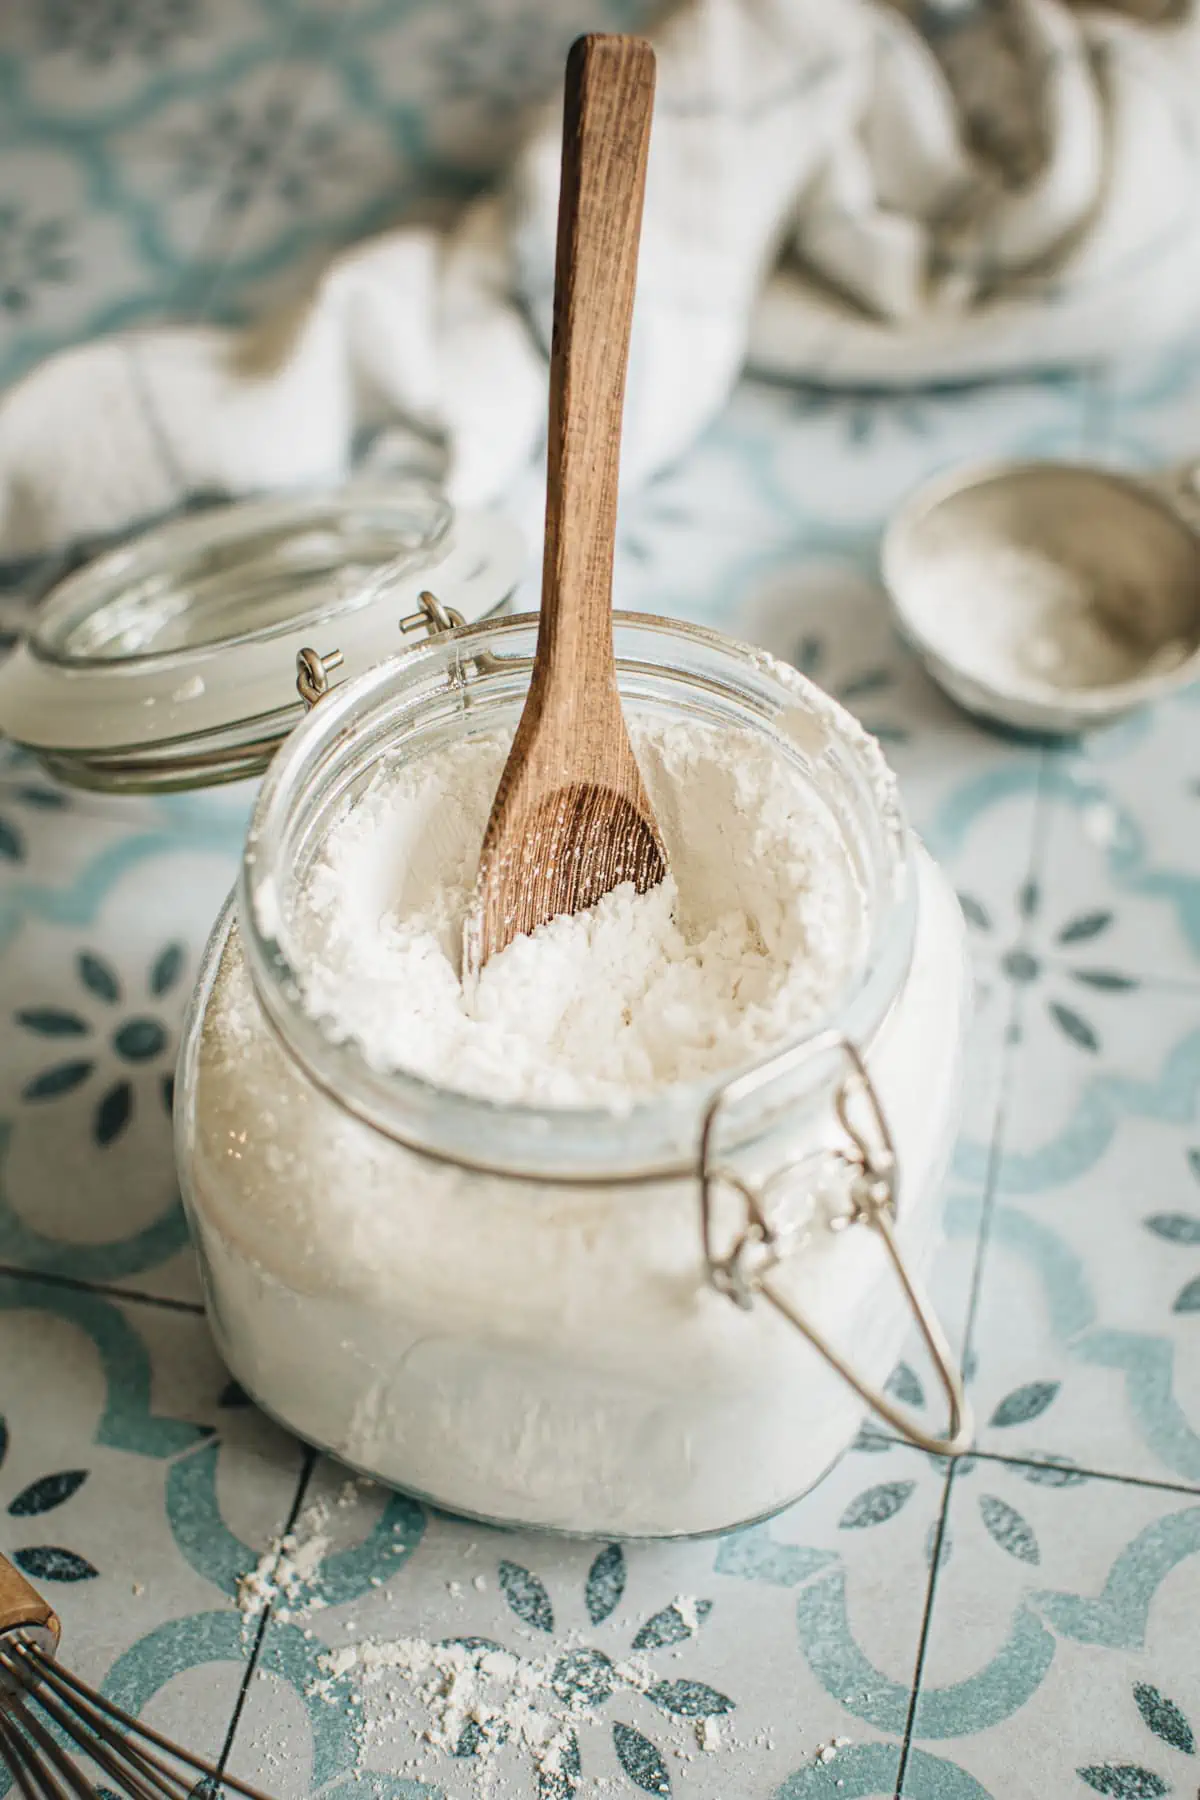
[[1050, 597]]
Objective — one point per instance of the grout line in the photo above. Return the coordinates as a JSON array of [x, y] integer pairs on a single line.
[[194, 1307], [995, 1156], [1008, 1066], [310, 1463], [1159, 1483], [1185, 985], [935, 1562]]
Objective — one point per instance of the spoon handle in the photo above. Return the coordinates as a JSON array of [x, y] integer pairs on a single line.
[[608, 103]]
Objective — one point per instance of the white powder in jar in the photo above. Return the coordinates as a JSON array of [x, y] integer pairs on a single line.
[[549, 1352], [749, 941]]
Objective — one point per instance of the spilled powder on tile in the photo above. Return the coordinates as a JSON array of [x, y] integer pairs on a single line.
[[288, 1567]]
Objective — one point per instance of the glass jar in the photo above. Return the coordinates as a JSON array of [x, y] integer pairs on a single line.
[[645, 1324]]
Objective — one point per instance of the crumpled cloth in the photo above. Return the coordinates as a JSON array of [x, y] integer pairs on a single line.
[[846, 191]]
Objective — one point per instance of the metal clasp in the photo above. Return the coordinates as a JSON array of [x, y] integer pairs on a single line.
[[870, 1161], [312, 674], [436, 617], [312, 669], [432, 615]]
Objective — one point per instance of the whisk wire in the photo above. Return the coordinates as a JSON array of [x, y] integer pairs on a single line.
[[55, 1757], [112, 1738], [97, 1746], [13, 1753], [57, 1682]]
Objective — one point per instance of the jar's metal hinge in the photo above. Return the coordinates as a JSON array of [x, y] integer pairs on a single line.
[[313, 669], [312, 674], [760, 1247], [432, 615]]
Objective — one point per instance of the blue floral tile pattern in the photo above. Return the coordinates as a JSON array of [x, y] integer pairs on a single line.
[[45, 1562], [1160, 1716], [137, 1040], [107, 30], [1065, 1674], [1017, 1625], [34, 252], [17, 804], [1068, 959], [865, 691], [585, 1679]]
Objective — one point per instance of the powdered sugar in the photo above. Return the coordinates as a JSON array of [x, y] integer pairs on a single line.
[[283, 1572], [688, 1610], [283, 1577], [480, 1696], [748, 941], [543, 1709], [1010, 616]]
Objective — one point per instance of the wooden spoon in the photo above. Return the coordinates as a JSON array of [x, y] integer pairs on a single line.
[[571, 818]]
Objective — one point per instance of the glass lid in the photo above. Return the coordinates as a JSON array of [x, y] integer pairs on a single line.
[[238, 574], [171, 661]]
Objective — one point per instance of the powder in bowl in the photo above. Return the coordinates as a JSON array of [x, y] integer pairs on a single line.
[[1017, 618], [1048, 596], [749, 941]]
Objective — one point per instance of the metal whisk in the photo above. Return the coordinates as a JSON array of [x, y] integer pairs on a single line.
[[48, 1716]]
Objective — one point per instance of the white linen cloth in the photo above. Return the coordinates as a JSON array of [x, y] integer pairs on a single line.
[[882, 191]]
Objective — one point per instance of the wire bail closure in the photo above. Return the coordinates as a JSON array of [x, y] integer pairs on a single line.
[[761, 1248], [312, 669]]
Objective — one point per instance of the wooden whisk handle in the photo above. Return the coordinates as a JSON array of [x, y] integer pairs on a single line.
[[22, 1605]]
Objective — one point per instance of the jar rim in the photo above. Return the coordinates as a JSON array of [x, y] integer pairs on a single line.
[[653, 1138]]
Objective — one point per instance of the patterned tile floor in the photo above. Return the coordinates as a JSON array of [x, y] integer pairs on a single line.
[[1019, 1626]]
